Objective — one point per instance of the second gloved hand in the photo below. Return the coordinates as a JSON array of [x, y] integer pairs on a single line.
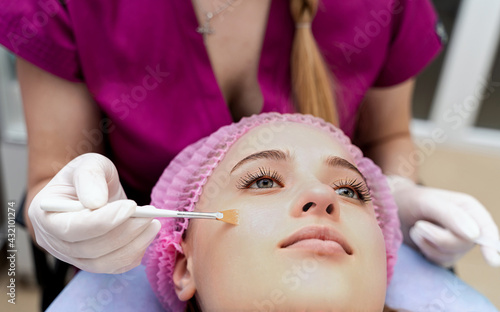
[[443, 224], [102, 238]]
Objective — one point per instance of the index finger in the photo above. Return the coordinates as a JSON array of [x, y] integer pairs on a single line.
[[86, 224]]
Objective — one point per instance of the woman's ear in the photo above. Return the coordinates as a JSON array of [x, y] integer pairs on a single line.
[[183, 279]]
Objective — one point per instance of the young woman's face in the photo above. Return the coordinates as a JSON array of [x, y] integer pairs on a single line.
[[307, 239]]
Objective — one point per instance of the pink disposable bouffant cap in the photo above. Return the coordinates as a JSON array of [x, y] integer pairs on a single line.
[[181, 185]]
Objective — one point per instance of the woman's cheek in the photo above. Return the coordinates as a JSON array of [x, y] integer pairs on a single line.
[[259, 216]]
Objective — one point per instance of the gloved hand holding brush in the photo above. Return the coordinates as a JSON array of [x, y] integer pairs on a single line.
[[102, 238]]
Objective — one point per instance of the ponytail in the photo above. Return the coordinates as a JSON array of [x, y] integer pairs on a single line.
[[311, 80]]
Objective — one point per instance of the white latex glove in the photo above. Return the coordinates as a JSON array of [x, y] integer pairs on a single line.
[[101, 239], [443, 224]]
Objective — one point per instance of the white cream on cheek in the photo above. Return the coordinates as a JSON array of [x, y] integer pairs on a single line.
[[262, 221]]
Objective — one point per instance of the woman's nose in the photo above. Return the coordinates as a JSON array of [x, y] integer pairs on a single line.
[[318, 199]]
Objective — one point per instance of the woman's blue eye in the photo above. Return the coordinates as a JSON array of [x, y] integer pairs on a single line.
[[264, 183], [347, 192], [352, 188], [265, 178]]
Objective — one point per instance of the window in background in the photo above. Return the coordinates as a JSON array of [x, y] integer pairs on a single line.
[[427, 81], [489, 113], [11, 112], [458, 95]]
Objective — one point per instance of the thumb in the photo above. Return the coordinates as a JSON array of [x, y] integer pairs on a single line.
[[441, 239], [452, 217], [93, 179], [491, 255]]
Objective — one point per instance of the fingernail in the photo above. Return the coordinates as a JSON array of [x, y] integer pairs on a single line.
[[470, 228], [493, 259], [415, 235], [157, 225], [426, 228]]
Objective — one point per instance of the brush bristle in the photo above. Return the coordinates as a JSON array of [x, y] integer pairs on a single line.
[[231, 216]]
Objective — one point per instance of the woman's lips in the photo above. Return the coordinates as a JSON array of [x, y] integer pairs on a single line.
[[321, 240]]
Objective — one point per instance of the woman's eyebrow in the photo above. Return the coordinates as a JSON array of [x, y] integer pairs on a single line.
[[269, 154], [335, 161]]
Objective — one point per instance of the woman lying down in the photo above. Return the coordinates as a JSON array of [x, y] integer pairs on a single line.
[[318, 228]]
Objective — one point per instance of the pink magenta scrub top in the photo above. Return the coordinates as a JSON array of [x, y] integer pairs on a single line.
[[148, 69]]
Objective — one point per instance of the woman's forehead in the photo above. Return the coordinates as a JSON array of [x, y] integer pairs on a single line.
[[288, 137]]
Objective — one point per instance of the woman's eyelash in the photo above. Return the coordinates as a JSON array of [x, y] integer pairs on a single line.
[[359, 187], [247, 180]]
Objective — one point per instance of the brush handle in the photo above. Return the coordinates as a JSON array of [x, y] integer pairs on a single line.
[[66, 205], [152, 212]]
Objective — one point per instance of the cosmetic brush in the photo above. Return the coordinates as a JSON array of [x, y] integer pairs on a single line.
[[229, 216]]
